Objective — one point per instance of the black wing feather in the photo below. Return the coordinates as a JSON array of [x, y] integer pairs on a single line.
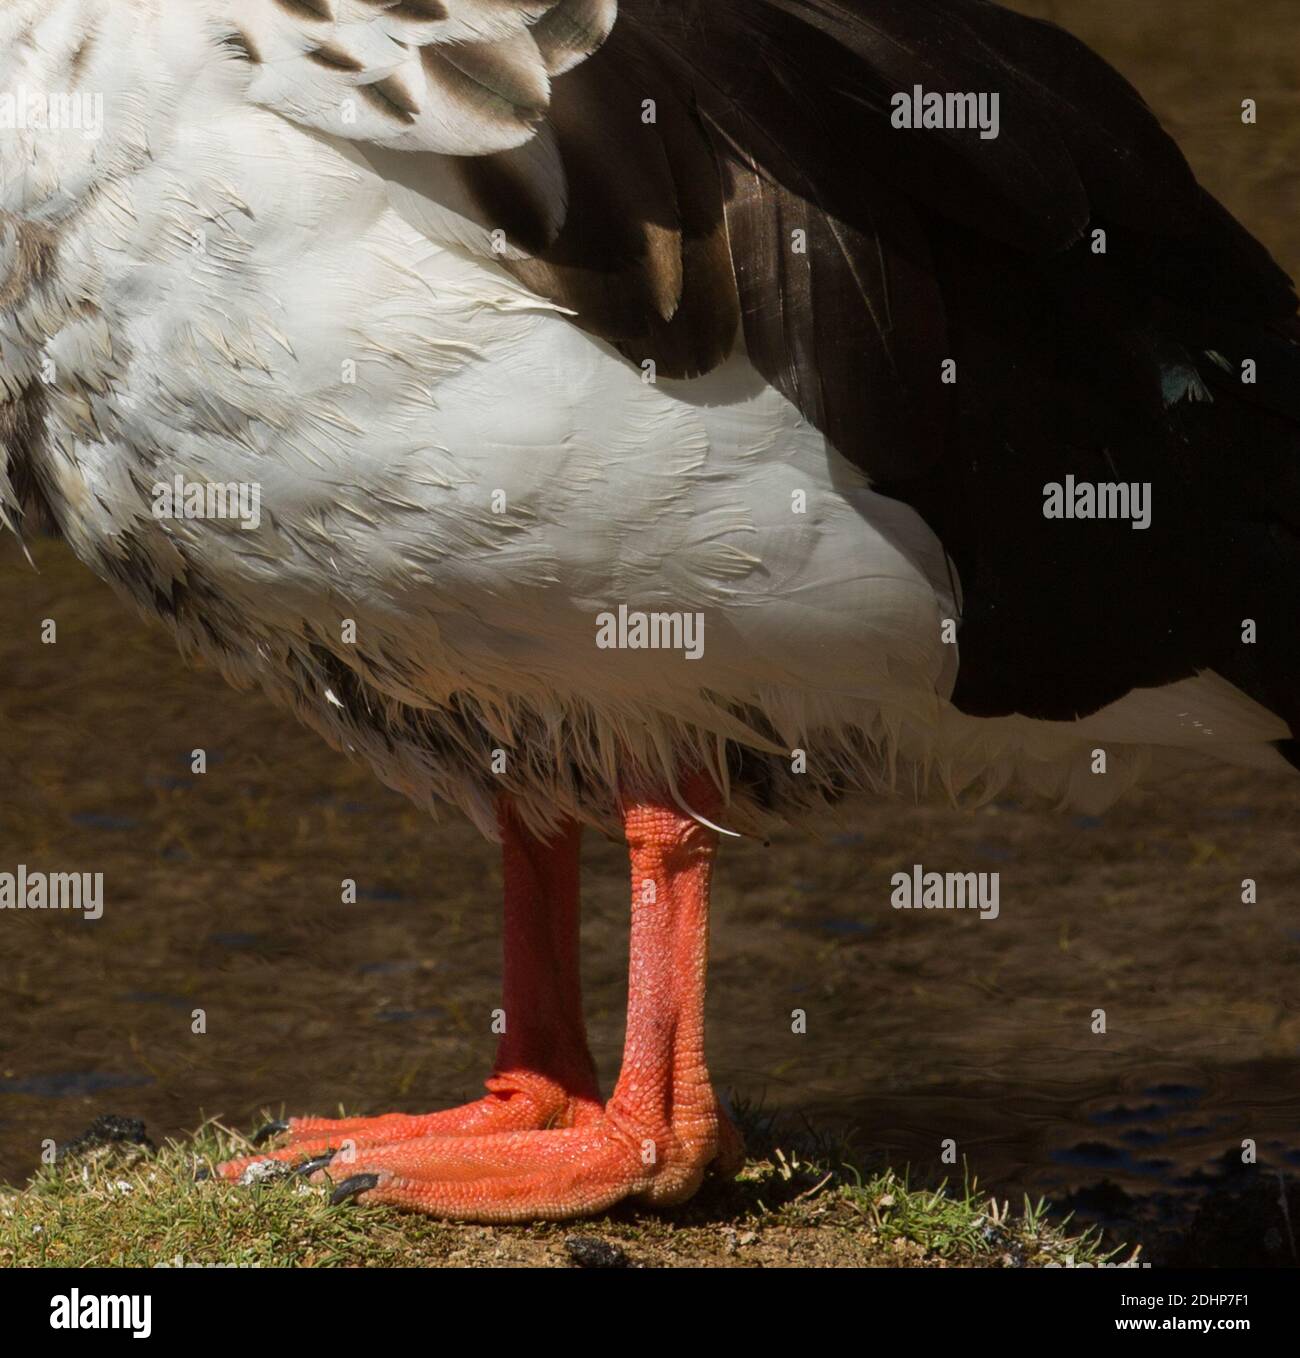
[[921, 246]]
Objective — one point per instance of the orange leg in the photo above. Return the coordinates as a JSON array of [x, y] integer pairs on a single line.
[[662, 1127], [544, 1075]]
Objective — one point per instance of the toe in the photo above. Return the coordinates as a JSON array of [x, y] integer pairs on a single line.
[[525, 1176], [235, 1170]]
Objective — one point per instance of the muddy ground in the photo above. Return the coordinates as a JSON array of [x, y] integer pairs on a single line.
[[223, 890]]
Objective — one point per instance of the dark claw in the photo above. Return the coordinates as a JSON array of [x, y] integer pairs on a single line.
[[311, 1166], [267, 1132], [349, 1188]]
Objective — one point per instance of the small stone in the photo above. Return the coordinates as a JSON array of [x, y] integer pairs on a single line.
[[106, 1135], [262, 1171], [588, 1251]]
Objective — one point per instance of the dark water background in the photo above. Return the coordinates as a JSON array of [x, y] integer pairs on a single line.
[[222, 891]]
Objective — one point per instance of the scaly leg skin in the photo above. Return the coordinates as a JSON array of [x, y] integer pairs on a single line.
[[661, 1129], [544, 1075]]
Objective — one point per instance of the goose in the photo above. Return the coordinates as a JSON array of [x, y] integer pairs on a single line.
[[678, 418]]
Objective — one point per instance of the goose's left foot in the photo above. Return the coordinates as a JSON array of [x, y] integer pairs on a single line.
[[544, 1074], [516, 1101]]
